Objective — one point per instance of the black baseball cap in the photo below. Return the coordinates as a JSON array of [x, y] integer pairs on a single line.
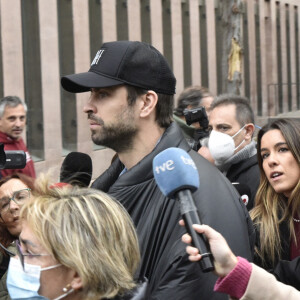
[[124, 62]]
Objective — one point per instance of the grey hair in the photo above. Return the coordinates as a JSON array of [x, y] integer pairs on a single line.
[[11, 101], [244, 112]]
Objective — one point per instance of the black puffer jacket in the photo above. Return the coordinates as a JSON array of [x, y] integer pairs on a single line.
[[164, 260]]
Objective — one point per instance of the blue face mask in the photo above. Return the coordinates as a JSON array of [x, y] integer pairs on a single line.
[[25, 285]]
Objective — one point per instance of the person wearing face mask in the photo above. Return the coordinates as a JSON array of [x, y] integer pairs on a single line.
[[75, 243], [276, 217], [230, 143]]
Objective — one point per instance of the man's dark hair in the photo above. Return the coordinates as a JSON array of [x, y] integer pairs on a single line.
[[191, 96], [164, 106], [244, 112]]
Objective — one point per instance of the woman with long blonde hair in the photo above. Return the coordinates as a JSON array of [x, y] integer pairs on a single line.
[[276, 214]]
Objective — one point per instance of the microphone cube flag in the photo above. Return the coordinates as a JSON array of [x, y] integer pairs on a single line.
[[175, 170]]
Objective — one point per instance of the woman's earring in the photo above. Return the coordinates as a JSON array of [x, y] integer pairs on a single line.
[[66, 289]]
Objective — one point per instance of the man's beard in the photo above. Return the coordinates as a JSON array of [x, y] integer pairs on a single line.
[[118, 136]]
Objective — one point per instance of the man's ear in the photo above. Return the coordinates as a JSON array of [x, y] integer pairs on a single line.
[[249, 131], [149, 102]]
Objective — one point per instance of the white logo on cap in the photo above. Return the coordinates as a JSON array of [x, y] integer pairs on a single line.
[[97, 57]]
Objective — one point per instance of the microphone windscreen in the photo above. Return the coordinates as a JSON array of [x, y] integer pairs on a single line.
[[175, 170], [77, 169], [243, 190]]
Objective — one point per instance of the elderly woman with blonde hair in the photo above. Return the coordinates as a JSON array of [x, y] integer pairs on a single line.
[[75, 244]]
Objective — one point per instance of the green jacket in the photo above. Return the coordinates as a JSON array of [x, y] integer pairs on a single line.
[[188, 131]]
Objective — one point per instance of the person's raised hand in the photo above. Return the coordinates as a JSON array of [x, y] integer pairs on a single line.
[[224, 259]]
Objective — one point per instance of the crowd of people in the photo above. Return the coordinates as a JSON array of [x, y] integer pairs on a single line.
[[121, 237]]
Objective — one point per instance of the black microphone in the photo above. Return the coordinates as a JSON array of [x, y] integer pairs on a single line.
[[77, 169], [244, 191], [176, 175]]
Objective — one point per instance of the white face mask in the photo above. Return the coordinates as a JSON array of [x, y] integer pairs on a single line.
[[25, 285], [221, 145]]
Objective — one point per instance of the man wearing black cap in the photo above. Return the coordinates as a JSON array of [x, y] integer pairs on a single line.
[[130, 111]]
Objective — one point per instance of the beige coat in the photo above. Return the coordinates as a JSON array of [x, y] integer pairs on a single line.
[[264, 286]]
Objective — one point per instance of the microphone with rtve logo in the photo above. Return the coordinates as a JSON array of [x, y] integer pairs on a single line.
[[177, 177]]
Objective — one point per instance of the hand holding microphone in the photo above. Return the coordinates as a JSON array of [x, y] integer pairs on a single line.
[[225, 260], [177, 177]]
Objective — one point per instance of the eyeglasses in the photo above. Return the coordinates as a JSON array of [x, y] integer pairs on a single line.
[[19, 197], [22, 255]]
